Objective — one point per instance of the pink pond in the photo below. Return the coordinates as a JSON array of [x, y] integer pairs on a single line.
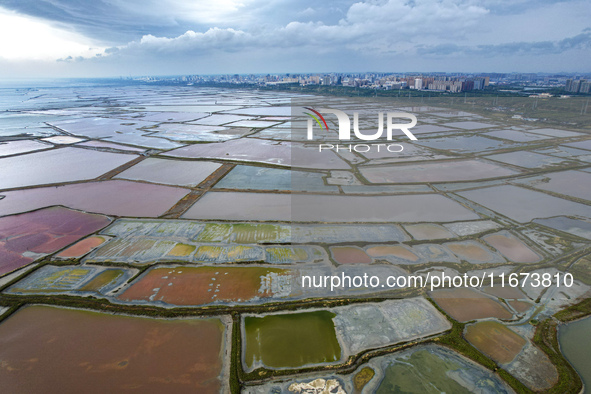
[[119, 198], [82, 247], [44, 231], [512, 248]]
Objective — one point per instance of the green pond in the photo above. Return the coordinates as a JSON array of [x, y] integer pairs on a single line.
[[291, 340], [576, 347]]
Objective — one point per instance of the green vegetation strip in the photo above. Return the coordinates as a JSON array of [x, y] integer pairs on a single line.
[[575, 312], [235, 365], [546, 338]]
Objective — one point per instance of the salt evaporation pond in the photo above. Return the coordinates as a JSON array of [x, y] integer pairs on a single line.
[[290, 340], [117, 197], [34, 234], [313, 208], [47, 349], [444, 171], [170, 172], [58, 165], [203, 285]]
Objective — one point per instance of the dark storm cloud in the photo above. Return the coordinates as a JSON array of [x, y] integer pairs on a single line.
[[98, 19], [579, 42]]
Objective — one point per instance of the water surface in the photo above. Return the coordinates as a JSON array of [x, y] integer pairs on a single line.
[[576, 347]]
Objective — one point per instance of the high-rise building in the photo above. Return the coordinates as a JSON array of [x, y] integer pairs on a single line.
[[418, 83], [467, 85], [576, 85], [585, 87], [479, 83]]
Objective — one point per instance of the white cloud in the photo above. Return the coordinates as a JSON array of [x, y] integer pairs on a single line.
[[308, 12], [218, 12], [22, 37], [368, 27]]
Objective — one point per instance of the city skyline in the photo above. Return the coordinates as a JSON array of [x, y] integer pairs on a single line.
[[65, 38]]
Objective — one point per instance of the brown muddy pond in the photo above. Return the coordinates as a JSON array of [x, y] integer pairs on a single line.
[[203, 285], [495, 340], [56, 350], [396, 251], [464, 304], [349, 255]]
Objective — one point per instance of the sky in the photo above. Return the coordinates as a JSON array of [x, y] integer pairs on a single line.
[[113, 38]]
